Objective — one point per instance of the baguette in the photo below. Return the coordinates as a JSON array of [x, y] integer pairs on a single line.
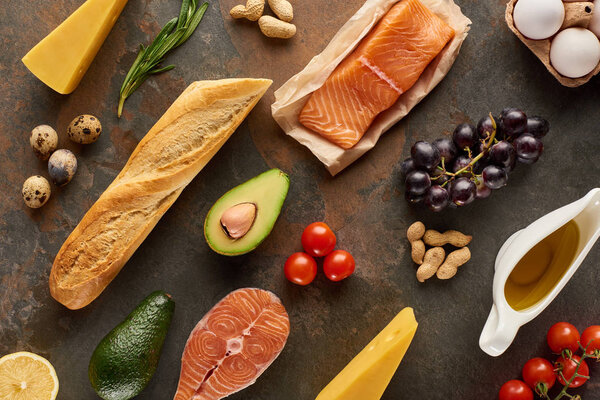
[[171, 154]]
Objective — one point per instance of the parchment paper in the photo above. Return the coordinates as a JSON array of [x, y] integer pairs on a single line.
[[291, 97]]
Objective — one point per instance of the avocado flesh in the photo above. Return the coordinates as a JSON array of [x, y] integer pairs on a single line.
[[126, 358], [267, 192]]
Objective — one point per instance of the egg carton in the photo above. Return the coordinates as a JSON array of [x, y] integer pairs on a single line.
[[577, 14]]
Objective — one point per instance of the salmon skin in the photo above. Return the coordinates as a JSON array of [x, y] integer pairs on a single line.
[[387, 62], [232, 345]]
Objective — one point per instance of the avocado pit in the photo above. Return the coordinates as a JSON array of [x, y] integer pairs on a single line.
[[236, 221]]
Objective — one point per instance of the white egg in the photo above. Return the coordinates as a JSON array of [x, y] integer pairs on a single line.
[[575, 52], [595, 22], [539, 19]]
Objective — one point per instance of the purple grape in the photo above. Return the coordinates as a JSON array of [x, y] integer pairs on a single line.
[[529, 148], [511, 167], [485, 127], [494, 177], [459, 163], [437, 198], [538, 126], [464, 136], [483, 192], [484, 161], [513, 121], [446, 148], [413, 198], [480, 165], [527, 160], [481, 148], [407, 166], [425, 155], [463, 192], [417, 183], [503, 154]]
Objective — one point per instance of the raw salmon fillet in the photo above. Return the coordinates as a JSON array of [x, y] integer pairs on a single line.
[[232, 345], [387, 62]]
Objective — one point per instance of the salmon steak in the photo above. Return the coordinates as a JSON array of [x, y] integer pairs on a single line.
[[387, 63], [232, 345]]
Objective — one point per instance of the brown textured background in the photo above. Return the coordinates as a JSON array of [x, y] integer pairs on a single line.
[[364, 205]]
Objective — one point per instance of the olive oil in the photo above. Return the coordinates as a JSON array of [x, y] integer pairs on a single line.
[[542, 267]]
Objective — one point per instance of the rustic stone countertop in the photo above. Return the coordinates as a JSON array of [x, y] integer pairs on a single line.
[[364, 205]]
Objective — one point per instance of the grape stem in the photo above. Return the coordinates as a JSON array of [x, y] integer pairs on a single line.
[[487, 145]]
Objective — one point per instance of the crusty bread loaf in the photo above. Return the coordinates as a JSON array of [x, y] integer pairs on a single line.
[[177, 147]]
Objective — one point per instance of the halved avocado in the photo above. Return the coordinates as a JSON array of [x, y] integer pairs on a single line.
[[243, 217]]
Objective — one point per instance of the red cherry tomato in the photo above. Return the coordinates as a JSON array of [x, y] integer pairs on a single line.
[[538, 373], [568, 368], [561, 336], [515, 390], [300, 268], [318, 239], [338, 265], [590, 339]]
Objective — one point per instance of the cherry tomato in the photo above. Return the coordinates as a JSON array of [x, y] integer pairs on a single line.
[[300, 268], [568, 367], [563, 335], [538, 373], [515, 390], [338, 265], [318, 239], [590, 338]]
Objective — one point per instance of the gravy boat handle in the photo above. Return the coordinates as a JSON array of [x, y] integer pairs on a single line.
[[496, 336]]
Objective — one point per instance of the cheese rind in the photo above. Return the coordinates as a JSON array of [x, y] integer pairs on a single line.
[[367, 376], [62, 58]]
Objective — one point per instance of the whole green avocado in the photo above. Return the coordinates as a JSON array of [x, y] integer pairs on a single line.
[[125, 360]]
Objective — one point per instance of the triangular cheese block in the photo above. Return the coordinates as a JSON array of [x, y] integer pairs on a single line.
[[367, 376], [62, 58]]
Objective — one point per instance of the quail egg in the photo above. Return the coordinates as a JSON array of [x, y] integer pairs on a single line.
[[62, 166], [84, 129], [36, 191], [575, 52], [539, 19], [43, 141]]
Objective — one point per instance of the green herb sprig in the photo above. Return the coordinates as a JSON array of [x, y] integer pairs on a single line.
[[149, 59]]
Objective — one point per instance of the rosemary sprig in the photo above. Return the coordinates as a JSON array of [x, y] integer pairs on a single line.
[[149, 59]]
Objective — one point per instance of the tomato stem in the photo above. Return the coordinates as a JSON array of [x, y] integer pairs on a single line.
[[541, 389], [569, 353]]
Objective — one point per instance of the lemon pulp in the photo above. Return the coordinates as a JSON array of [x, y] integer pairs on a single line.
[[27, 376]]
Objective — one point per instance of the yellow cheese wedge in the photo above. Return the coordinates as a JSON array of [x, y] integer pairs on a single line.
[[367, 376], [62, 58]]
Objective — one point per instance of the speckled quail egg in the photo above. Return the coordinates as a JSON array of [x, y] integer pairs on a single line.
[[84, 129], [36, 191], [43, 141], [539, 19], [575, 52], [62, 166]]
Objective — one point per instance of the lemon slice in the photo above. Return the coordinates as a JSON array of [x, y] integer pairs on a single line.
[[27, 376]]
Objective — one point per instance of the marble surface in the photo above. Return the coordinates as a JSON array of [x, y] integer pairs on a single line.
[[364, 205]]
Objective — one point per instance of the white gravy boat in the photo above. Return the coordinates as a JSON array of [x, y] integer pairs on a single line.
[[504, 322]]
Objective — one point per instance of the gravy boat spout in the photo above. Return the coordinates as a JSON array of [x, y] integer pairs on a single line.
[[583, 219]]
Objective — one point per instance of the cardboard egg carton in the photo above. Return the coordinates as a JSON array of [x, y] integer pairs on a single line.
[[577, 13]]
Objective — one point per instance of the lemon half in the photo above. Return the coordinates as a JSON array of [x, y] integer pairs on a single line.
[[27, 376]]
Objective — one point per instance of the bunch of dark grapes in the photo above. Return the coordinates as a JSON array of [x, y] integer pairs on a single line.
[[476, 160]]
